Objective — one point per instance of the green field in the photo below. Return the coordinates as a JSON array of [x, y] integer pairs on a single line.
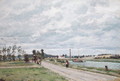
[[28, 74]]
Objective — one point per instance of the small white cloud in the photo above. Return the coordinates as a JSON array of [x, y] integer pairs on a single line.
[[51, 12]]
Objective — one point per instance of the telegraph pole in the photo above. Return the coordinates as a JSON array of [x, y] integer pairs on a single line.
[[70, 53], [78, 54]]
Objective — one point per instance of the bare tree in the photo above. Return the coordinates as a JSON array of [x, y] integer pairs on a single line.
[[0, 55], [8, 53], [13, 57], [13, 52], [26, 58], [34, 56], [34, 52], [42, 53], [4, 58], [13, 49], [39, 59], [4, 54]]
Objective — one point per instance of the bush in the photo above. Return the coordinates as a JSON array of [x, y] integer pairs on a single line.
[[51, 59], [60, 60]]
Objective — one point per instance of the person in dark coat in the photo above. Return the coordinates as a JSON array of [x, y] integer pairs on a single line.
[[67, 63]]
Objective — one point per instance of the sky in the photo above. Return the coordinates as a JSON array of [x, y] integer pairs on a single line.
[[85, 26]]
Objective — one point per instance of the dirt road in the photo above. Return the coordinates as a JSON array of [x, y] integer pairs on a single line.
[[78, 75]]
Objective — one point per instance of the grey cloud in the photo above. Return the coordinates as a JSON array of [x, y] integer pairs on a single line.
[[82, 9], [99, 2], [76, 24]]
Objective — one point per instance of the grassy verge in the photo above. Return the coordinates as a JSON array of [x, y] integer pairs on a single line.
[[97, 70], [14, 63], [91, 69], [106, 60], [27, 74]]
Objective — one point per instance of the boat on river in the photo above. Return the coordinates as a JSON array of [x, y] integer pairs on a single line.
[[77, 60]]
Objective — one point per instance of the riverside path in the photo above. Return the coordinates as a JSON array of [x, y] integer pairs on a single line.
[[77, 75]]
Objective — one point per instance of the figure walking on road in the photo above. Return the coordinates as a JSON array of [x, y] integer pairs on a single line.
[[67, 63]]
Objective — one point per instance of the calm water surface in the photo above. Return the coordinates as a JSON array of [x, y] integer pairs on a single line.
[[111, 65]]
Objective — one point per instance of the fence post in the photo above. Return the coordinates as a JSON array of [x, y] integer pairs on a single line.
[[106, 68]]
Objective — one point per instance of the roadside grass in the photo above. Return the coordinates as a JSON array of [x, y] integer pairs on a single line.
[[26, 74], [91, 69], [97, 70], [15, 63], [29, 74]]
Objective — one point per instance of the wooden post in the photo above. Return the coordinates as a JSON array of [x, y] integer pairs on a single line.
[[106, 68]]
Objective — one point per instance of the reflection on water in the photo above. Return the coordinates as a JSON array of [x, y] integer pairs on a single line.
[[111, 65]]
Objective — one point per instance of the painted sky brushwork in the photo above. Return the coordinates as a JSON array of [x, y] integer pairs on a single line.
[[92, 26]]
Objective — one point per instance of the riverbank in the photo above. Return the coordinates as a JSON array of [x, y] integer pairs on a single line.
[[105, 60], [61, 62]]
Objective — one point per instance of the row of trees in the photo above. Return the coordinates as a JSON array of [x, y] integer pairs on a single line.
[[36, 57], [8, 53]]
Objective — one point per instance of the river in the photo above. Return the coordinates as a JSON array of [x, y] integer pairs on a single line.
[[111, 65]]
